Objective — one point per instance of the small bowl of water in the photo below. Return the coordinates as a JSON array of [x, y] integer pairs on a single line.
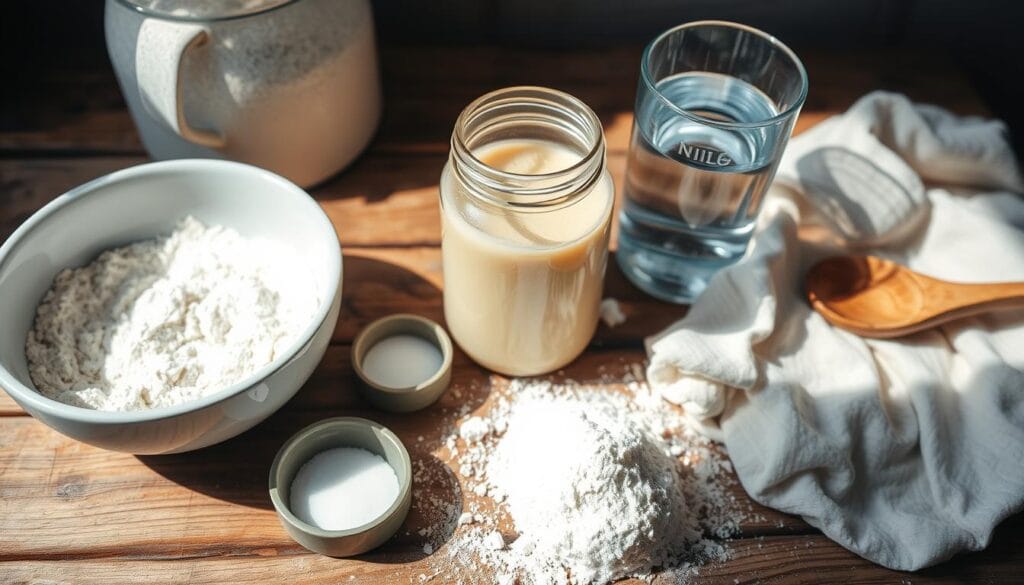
[[403, 363]]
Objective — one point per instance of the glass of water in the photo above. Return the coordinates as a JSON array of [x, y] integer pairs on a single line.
[[715, 107]]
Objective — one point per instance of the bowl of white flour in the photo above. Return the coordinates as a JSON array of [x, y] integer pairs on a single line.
[[168, 306]]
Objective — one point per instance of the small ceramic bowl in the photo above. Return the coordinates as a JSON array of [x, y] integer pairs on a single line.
[[414, 397], [143, 202], [330, 434]]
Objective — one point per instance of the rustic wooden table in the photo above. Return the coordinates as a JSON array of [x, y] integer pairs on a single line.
[[71, 513]]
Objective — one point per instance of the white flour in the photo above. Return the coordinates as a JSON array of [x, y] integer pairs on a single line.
[[166, 321], [611, 313], [570, 483], [616, 497]]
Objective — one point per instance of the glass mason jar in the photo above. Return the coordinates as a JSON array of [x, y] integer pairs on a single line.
[[526, 206]]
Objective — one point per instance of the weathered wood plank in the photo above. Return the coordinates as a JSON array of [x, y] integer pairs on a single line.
[[784, 560], [82, 111], [383, 200]]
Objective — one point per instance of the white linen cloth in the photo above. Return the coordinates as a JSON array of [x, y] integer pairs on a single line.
[[903, 451]]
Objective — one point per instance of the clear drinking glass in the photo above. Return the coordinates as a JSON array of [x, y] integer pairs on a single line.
[[715, 107]]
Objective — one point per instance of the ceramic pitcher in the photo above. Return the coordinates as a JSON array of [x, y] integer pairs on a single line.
[[288, 85]]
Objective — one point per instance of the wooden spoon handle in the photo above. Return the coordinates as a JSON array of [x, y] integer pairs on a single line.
[[969, 299]]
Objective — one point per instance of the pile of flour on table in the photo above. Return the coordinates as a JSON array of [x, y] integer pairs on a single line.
[[166, 321], [576, 483]]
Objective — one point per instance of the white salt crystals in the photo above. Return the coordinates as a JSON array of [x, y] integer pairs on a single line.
[[402, 361], [343, 488]]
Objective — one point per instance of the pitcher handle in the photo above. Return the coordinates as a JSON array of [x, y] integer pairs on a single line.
[[159, 57]]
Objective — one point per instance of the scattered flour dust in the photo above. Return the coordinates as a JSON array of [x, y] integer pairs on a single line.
[[611, 313], [569, 483], [169, 320]]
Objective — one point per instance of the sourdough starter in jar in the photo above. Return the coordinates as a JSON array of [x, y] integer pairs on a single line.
[[523, 283]]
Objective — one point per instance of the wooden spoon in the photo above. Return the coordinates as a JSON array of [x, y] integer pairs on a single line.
[[877, 298]]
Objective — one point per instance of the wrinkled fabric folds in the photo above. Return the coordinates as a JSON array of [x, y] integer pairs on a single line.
[[904, 451]]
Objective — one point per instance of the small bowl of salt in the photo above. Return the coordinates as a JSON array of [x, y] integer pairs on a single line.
[[342, 486]]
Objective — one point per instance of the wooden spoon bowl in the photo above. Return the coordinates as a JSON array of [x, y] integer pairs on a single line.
[[873, 297]]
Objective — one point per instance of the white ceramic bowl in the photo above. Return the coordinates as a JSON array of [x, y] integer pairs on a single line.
[[140, 203]]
